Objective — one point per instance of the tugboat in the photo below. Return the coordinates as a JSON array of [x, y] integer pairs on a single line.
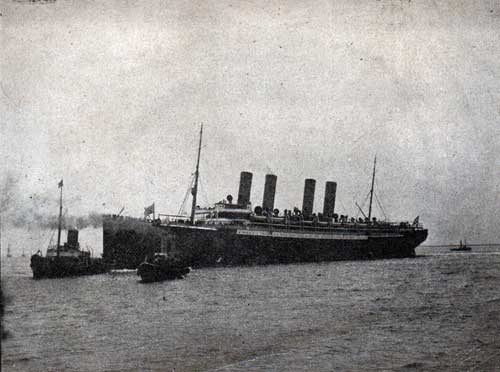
[[461, 248], [65, 260], [162, 267]]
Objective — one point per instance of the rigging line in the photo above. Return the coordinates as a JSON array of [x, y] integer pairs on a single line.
[[380, 200], [52, 236], [366, 199], [54, 229], [186, 196], [182, 209], [380, 206], [204, 192], [362, 205], [189, 192]]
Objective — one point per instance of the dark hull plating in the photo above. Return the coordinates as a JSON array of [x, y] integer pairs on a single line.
[[155, 273], [54, 267], [127, 242], [226, 247], [234, 246]]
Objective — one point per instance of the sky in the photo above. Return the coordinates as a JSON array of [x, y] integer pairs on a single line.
[[110, 96]]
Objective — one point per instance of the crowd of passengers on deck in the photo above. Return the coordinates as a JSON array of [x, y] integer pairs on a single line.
[[295, 216], [289, 217]]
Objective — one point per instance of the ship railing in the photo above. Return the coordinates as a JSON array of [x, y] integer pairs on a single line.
[[166, 219], [227, 221], [337, 226], [404, 224]]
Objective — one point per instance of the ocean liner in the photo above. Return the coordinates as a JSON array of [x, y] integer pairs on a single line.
[[232, 234], [67, 259]]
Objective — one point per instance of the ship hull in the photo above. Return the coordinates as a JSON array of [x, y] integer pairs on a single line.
[[262, 247], [128, 241], [234, 246], [59, 267]]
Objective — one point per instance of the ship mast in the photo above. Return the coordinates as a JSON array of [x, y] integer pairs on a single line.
[[371, 190], [194, 190], [60, 218]]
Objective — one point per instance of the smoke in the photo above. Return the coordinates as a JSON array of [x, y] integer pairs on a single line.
[[33, 211], [43, 221]]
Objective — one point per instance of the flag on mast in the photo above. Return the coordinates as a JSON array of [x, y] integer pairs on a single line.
[[60, 184]]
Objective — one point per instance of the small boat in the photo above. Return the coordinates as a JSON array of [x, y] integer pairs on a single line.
[[162, 267], [461, 248]]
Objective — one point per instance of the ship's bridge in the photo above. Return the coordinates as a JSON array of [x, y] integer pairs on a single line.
[[223, 213]]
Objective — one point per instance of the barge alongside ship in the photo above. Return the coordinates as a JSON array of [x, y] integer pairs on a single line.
[[235, 234]]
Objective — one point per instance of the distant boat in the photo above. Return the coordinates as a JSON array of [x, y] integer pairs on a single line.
[[461, 248], [22, 254]]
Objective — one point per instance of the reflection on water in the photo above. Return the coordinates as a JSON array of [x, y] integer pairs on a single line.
[[437, 312]]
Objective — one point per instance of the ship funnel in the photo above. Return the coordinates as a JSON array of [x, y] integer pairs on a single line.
[[245, 188], [73, 238], [329, 204], [269, 192], [308, 201]]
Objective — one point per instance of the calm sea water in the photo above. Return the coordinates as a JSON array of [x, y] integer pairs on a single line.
[[438, 312]]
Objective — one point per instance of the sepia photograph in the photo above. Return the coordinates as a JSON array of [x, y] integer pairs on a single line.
[[248, 185]]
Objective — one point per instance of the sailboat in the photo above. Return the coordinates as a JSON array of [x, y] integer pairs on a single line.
[[67, 259]]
